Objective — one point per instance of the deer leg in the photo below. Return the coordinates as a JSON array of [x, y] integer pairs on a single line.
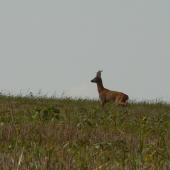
[[123, 104], [102, 105], [121, 100]]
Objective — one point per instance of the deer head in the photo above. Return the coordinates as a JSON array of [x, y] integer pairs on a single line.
[[97, 78]]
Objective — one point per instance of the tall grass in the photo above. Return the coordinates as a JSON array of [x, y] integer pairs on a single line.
[[65, 133]]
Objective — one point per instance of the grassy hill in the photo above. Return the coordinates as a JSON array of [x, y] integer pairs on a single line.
[[64, 133]]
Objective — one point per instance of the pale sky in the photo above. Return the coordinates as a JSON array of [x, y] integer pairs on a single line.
[[58, 46]]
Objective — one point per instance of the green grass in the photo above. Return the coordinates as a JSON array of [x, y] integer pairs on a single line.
[[64, 133]]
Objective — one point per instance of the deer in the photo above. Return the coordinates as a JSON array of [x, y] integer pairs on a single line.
[[106, 95]]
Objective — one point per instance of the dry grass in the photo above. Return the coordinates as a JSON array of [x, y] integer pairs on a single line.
[[64, 133]]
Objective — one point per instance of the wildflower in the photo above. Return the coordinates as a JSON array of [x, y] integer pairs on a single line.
[[144, 118]]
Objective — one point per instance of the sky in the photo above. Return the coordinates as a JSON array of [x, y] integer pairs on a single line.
[[56, 47]]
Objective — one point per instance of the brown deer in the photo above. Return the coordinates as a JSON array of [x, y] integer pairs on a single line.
[[106, 95]]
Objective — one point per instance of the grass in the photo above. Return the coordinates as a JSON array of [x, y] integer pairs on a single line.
[[64, 133]]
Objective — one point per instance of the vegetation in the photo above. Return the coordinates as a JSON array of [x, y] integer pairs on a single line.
[[65, 133]]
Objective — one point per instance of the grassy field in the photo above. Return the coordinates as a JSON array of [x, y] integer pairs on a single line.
[[63, 133]]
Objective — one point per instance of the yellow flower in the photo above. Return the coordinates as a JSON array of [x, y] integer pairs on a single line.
[[144, 118]]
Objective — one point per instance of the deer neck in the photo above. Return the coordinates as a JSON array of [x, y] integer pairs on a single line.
[[100, 86]]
